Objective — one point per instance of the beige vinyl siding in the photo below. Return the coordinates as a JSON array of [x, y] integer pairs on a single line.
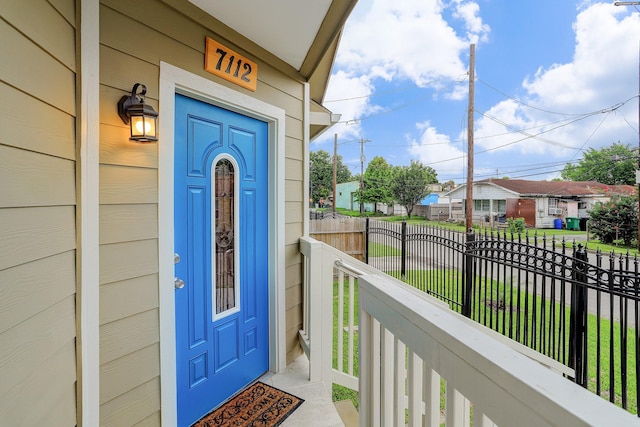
[[129, 330], [37, 213]]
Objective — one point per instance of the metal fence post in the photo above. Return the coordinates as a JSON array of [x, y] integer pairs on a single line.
[[578, 320], [468, 274], [403, 250], [366, 240]]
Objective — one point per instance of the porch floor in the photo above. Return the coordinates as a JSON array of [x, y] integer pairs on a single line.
[[318, 409]]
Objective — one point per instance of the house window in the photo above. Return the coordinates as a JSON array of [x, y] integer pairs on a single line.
[[553, 207], [500, 206], [481, 205]]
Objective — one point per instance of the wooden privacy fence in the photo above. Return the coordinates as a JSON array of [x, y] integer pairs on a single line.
[[343, 233]]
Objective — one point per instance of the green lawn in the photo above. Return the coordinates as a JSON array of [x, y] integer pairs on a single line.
[[568, 235], [618, 249], [339, 392], [378, 249]]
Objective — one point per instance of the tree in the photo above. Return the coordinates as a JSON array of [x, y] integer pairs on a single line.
[[377, 183], [343, 174], [409, 184], [612, 165], [321, 174], [615, 220]]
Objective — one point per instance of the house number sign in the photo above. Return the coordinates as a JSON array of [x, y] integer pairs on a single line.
[[230, 65]]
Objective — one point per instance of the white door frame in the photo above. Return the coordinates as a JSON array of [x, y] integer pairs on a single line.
[[175, 80]]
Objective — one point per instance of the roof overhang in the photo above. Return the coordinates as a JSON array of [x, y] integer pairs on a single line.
[[321, 120], [300, 36], [463, 188]]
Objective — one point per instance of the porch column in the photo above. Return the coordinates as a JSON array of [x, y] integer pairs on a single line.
[[87, 221], [491, 213]]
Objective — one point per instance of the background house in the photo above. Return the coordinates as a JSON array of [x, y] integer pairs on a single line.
[[540, 203], [346, 197], [436, 205], [88, 237], [347, 200]]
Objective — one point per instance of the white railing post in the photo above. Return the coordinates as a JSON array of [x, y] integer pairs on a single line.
[[457, 409], [399, 381], [318, 309], [414, 389], [386, 377], [340, 319], [351, 322], [431, 391], [325, 302], [376, 372], [365, 359]]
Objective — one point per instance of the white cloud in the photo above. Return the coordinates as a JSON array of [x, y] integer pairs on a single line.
[[605, 62], [348, 95], [606, 54], [409, 39], [436, 150], [469, 13], [392, 40]]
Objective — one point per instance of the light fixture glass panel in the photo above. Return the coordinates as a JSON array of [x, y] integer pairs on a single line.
[[143, 126], [150, 126], [137, 126]]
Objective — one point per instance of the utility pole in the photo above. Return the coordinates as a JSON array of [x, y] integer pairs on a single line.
[[335, 171], [468, 212], [362, 141]]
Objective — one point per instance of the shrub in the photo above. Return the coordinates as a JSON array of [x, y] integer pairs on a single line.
[[516, 225], [615, 220]]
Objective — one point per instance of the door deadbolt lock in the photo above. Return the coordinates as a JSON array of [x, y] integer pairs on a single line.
[[178, 283]]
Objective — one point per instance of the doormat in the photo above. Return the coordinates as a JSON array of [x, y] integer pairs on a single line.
[[258, 405]]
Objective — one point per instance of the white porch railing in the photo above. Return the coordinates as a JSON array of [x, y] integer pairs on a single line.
[[421, 364]]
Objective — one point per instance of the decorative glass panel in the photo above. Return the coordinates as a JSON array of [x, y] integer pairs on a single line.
[[225, 283]]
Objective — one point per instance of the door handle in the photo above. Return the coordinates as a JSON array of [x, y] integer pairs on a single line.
[[177, 282]]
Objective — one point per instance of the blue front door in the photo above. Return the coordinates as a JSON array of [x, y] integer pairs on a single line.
[[221, 234]]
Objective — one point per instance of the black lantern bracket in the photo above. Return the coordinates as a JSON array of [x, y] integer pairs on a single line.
[[141, 117]]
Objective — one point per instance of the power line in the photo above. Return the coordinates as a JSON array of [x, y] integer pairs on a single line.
[[369, 95], [517, 101], [448, 83], [353, 121], [456, 141], [507, 171], [503, 145]]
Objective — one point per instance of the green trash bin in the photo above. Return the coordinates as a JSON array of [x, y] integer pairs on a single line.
[[573, 223]]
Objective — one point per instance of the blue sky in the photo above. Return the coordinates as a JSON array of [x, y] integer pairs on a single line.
[[553, 79]]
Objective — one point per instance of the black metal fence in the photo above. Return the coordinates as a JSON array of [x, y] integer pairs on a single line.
[[579, 307]]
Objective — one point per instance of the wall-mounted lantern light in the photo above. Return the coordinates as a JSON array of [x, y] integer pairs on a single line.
[[141, 118]]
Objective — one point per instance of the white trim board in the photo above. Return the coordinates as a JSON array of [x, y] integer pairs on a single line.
[[88, 214], [175, 80]]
